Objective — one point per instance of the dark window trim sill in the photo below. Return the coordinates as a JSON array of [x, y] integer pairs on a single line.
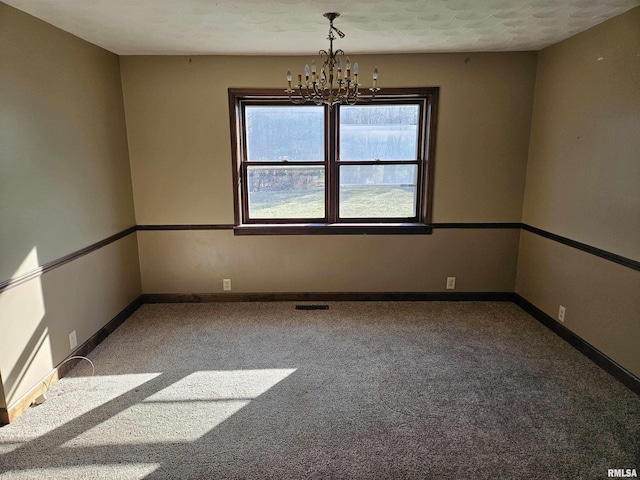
[[334, 229]]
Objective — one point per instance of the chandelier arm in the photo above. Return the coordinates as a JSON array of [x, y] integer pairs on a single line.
[[296, 101], [325, 57], [345, 86], [316, 92], [308, 94], [350, 88]]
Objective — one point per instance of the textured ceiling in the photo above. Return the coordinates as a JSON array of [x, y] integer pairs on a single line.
[[171, 27]]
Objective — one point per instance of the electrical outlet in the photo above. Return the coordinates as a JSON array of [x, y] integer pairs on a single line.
[[226, 284], [561, 312], [73, 340], [451, 283]]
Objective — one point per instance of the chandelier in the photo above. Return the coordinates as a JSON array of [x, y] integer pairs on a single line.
[[335, 82]]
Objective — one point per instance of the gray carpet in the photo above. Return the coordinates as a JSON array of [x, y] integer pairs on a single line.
[[362, 390]]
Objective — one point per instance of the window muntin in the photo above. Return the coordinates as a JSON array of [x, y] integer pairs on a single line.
[[386, 181]]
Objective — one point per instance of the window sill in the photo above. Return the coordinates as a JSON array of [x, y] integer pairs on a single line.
[[334, 229]]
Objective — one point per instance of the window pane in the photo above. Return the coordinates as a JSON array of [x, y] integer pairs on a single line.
[[286, 192], [381, 132], [284, 133], [378, 191]]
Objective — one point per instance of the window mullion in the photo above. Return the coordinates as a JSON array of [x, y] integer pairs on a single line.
[[331, 133]]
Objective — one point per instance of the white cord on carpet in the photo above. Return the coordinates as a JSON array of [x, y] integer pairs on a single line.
[[41, 398]]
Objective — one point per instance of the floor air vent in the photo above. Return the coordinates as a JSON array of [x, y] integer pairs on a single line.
[[312, 307]]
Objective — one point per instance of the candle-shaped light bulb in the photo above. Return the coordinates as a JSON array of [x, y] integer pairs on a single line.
[[375, 77], [348, 64], [348, 67], [306, 72], [355, 68], [313, 70], [288, 75]]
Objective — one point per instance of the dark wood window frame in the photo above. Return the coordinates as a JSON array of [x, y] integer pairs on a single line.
[[426, 97]]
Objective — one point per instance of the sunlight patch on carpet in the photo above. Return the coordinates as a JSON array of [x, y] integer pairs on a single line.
[[222, 385], [94, 472], [71, 398], [184, 411]]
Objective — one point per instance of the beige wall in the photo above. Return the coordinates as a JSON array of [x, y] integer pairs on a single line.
[[65, 170], [65, 184], [178, 125], [83, 295], [3, 403], [583, 182], [583, 175], [601, 297], [197, 261]]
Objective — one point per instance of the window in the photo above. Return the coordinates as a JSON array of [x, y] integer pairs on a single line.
[[363, 168]]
